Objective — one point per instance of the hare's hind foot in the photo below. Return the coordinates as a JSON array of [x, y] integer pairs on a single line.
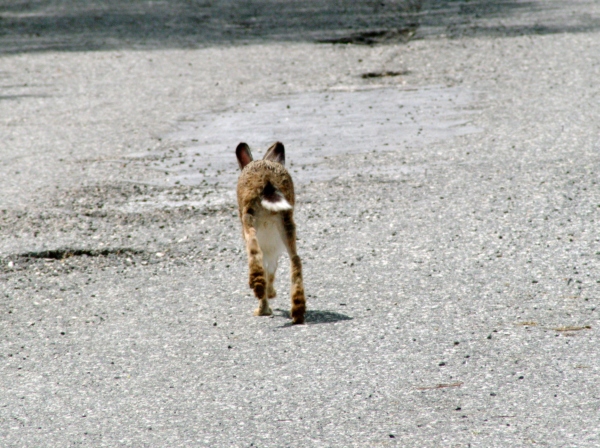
[[298, 316], [257, 282], [298, 300], [271, 293], [263, 308], [298, 306]]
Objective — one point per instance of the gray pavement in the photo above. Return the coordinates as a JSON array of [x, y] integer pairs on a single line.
[[446, 162]]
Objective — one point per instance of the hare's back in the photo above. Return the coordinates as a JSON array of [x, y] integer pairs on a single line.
[[257, 174]]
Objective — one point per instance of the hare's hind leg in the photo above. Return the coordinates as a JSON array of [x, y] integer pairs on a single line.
[[297, 291], [270, 259], [257, 278], [271, 293]]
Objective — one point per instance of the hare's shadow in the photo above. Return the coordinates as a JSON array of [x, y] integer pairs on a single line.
[[313, 317]]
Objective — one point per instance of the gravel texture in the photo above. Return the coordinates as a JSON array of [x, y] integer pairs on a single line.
[[446, 160]]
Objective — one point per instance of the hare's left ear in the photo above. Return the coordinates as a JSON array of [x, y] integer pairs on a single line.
[[243, 154], [276, 153]]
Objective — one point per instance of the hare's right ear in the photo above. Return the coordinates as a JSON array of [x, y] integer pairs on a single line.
[[276, 153], [243, 154]]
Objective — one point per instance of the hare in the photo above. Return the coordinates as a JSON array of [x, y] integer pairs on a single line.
[[265, 194]]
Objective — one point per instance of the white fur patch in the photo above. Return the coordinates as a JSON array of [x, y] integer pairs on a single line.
[[268, 233], [278, 206]]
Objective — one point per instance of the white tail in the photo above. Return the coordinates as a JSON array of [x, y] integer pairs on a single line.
[[273, 199], [277, 206]]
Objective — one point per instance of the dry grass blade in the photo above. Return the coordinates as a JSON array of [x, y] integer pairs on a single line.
[[441, 386], [585, 327]]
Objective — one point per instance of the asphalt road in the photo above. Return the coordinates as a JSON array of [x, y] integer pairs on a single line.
[[446, 159]]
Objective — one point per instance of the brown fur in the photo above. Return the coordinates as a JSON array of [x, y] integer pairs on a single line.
[[255, 183]]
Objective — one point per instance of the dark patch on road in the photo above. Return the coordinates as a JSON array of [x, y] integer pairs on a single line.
[[384, 74], [399, 35], [62, 254], [18, 97], [93, 25]]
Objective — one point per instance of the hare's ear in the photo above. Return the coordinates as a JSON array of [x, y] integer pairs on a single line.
[[243, 154], [276, 153]]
